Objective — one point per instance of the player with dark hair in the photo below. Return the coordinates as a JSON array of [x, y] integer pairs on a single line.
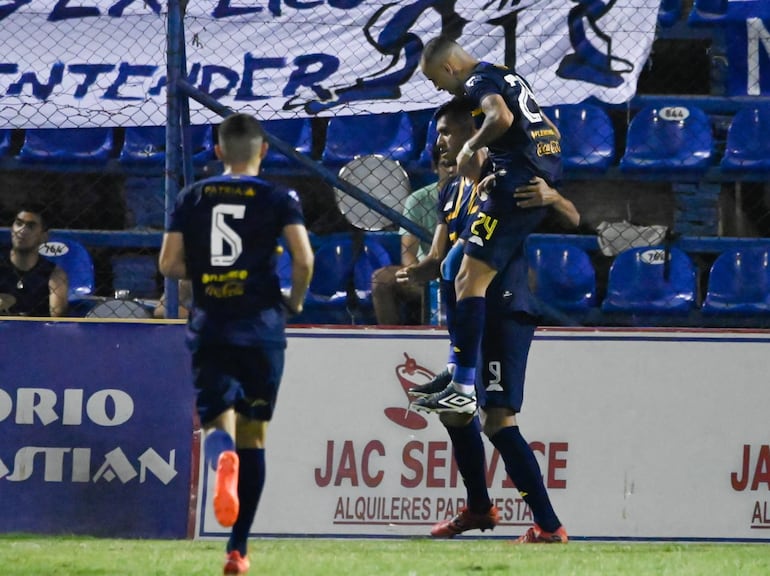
[[223, 235], [457, 205], [492, 311], [30, 285]]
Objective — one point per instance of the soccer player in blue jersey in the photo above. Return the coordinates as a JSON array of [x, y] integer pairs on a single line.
[[522, 144], [223, 236], [457, 205], [511, 320]]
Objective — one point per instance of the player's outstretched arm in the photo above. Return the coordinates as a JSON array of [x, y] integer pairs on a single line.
[[538, 193], [301, 265], [429, 267]]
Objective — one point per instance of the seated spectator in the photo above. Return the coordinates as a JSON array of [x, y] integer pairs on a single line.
[[30, 285], [398, 303]]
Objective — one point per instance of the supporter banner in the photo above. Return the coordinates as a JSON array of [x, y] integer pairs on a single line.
[[639, 434], [96, 427], [102, 63]]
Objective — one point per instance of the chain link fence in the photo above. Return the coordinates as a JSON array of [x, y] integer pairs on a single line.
[[645, 94]]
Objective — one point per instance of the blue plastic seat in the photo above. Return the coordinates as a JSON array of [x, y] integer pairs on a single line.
[[707, 11], [66, 146], [295, 131], [390, 135], [564, 276], [426, 155], [587, 136], [145, 201], [5, 141], [146, 145], [327, 298], [748, 145], [72, 257], [739, 283], [638, 283], [669, 13], [671, 139]]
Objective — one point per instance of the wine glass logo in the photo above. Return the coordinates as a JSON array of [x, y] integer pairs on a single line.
[[409, 374]]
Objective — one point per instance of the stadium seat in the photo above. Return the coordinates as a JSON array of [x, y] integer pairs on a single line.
[[72, 257], [564, 276], [587, 136], [146, 145], [135, 273], [295, 131], [674, 139], [637, 282], [65, 146], [669, 13], [327, 300], [424, 136], [748, 146], [5, 141], [707, 11], [739, 283], [145, 201], [390, 135]]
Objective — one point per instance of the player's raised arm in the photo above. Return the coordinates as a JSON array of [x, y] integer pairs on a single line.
[[497, 120]]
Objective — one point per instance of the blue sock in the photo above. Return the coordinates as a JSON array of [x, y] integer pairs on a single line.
[[524, 471], [468, 449], [251, 480], [448, 294], [216, 442], [450, 303], [468, 332]]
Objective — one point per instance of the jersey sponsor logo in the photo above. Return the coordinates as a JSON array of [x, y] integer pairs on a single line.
[[548, 148], [476, 240], [542, 133]]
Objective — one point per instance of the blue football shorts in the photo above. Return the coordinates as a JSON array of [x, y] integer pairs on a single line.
[[245, 378], [503, 359], [500, 228]]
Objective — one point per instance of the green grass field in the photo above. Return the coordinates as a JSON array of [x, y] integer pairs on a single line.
[[79, 556]]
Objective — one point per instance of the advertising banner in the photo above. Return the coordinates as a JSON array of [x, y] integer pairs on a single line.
[[102, 63], [640, 435], [643, 435], [96, 427]]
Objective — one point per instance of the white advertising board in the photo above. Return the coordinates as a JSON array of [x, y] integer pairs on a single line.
[[640, 435]]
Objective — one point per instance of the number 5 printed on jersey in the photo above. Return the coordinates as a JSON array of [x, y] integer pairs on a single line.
[[222, 234]]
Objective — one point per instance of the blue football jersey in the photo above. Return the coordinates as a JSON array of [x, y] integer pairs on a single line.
[[231, 227], [530, 147], [457, 203]]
